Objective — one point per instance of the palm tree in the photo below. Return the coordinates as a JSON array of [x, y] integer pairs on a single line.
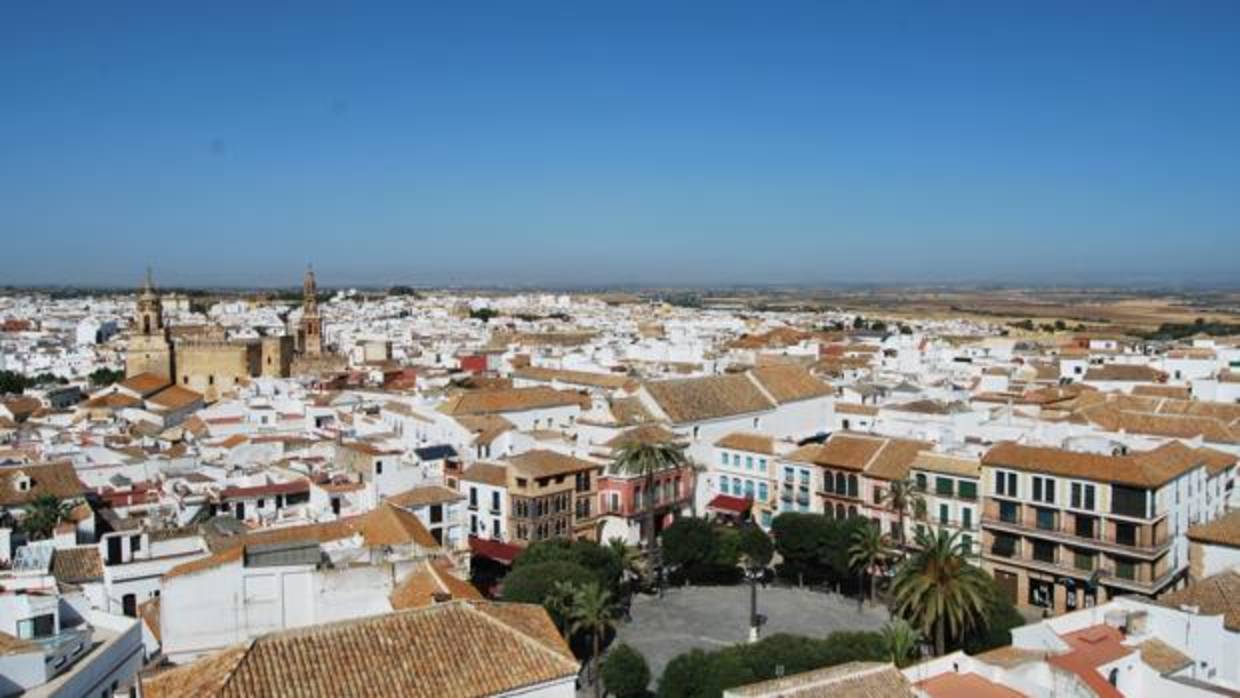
[[900, 640], [939, 590], [560, 602], [645, 460], [630, 558], [43, 515], [594, 612], [868, 552], [904, 497]]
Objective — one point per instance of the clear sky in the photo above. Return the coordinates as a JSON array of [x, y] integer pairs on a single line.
[[593, 141]]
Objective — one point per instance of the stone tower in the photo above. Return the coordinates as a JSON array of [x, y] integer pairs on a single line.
[[149, 350], [310, 333]]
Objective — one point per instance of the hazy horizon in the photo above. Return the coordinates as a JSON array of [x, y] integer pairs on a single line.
[[564, 145]]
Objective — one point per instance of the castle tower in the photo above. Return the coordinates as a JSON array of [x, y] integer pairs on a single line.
[[310, 333], [149, 349]]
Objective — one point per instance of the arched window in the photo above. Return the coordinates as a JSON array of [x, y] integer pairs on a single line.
[[852, 485], [1113, 677], [839, 511], [852, 512]]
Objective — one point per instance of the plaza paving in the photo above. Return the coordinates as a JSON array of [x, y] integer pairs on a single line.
[[714, 617]]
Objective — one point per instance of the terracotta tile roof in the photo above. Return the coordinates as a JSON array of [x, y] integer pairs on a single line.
[[485, 428], [790, 383], [431, 583], [1162, 657], [954, 685], [630, 410], [541, 463], [145, 384], [713, 397], [1110, 418], [853, 408], [1149, 469], [1216, 595], [1092, 647], [745, 441], [492, 474], [112, 401], [13, 645], [853, 679], [612, 381], [1224, 530], [384, 525], [1125, 373], [951, 465], [1179, 392], [22, 406], [148, 611], [1009, 656], [880, 457], [77, 565], [450, 650], [475, 402], [425, 496], [174, 398], [57, 479], [645, 434]]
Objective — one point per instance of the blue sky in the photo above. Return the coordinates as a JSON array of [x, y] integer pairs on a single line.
[[608, 142]]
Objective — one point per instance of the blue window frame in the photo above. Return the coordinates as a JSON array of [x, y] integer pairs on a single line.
[[763, 492]]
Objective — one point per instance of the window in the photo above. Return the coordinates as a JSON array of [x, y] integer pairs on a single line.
[[762, 464], [495, 528], [1043, 489], [135, 542], [1082, 496], [1004, 545], [378, 467], [749, 489], [762, 491], [748, 462], [495, 502], [39, 626], [1125, 534], [1046, 519], [921, 482], [1128, 501], [1005, 484], [943, 486], [966, 490], [944, 514], [723, 458], [966, 543], [1044, 551], [723, 484], [966, 517], [1009, 512], [1083, 560], [852, 485], [1125, 569], [473, 524], [1086, 527]]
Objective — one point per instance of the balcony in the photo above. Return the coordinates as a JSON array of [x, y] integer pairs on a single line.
[[1139, 543]]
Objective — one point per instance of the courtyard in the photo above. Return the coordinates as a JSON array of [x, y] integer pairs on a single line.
[[718, 616]]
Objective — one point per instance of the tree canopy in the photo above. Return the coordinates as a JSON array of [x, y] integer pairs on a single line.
[[626, 673]]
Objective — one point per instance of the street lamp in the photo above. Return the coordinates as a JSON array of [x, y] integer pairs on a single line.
[[753, 573]]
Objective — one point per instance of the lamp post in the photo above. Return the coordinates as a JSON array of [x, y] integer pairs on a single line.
[[753, 574]]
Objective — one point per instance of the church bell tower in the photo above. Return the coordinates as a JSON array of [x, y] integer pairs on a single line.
[[149, 349]]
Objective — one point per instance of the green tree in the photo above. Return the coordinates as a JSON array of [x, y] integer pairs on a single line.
[[536, 583], [625, 672], [867, 554], [13, 382], [755, 547], [904, 497], [939, 590], [900, 640], [1001, 617], [646, 460], [43, 515], [594, 612], [601, 560], [632, 565], [699, 674], [104, 376], [559, 603]]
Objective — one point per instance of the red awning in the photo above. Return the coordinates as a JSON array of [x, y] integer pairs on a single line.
[[730, 505], [502, 553]]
